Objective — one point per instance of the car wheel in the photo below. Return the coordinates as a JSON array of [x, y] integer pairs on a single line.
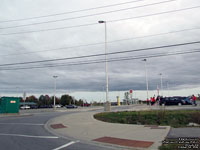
[[179, 104], [163, 104]]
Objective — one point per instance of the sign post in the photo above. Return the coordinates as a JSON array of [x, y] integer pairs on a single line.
[[131, 95]]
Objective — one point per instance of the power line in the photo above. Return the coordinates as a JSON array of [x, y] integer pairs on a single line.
[[96, 55], [154, 14], [109, 60], [158, 34], [109, 21], [99, 43], [63, 13], [51, 29], [84, 16]]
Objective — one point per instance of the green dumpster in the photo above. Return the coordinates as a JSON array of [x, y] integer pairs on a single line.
[[9, 104]]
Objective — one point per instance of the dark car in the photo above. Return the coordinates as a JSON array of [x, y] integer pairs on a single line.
[[85, 105], [33, 106], [71, 106], [176, 100], [187, 101], [45, 106]]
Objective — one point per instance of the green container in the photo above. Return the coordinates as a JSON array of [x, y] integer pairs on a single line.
[[9, 104]]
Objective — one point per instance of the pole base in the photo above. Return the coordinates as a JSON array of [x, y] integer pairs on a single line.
[[107, 106]]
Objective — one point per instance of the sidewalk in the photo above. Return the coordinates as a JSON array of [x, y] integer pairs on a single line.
[[82, 126]]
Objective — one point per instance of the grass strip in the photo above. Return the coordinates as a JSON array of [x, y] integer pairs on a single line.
[[173, 118]]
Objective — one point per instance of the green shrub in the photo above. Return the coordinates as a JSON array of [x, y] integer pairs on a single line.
[[175, 118]]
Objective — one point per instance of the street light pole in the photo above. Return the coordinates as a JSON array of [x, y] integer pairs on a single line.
[[147, 83], [161, 85], [107, 105], [54, 100], [103, 91]]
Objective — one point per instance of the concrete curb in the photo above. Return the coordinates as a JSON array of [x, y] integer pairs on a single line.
[[53, 131], [103, 145]]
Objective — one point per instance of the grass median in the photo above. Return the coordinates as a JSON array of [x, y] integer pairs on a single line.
[[173, 118]]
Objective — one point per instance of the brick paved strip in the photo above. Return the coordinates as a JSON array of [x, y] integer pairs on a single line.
[[57, 126], [124, 142]]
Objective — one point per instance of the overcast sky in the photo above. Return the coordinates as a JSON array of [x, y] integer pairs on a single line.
[[130, 24]]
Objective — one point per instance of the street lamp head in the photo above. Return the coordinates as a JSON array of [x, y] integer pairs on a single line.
[[144, 60], [101, 21], [55, 76]]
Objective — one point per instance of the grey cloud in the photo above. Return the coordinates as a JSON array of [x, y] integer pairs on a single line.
[[180, 71]]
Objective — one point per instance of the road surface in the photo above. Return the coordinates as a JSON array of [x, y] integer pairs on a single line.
[[28, 133]]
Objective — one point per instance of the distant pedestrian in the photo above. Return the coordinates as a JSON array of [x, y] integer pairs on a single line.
[[152, 101], [194, 100]]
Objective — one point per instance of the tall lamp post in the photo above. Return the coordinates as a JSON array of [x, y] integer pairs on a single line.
[[107, 106], [147, 83], [161, 85], [54, 100]]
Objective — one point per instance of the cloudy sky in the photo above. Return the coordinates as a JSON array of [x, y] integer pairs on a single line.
[[35, 31]]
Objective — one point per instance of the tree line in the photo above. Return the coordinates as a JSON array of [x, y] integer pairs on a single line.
[[47, 100]]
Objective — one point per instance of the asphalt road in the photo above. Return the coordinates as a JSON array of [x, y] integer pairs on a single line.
[[184, 132], [28, 133]]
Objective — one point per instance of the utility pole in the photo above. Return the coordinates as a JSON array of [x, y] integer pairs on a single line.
[[54, 100], [24, 97], [147, 83], [107, 106], [161, 84]]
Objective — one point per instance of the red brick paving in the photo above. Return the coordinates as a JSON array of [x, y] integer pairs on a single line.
[[125, 142], [57, 126]]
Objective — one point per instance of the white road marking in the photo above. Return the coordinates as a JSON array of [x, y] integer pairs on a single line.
[[30, 136], [66, 145], [27, 124]]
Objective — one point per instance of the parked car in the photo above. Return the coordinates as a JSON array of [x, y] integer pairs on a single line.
[[176, 100], [45, 106], [71, 106], [86, 105], [58, 106], [33, 106], [187, 101], [25, 107]]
